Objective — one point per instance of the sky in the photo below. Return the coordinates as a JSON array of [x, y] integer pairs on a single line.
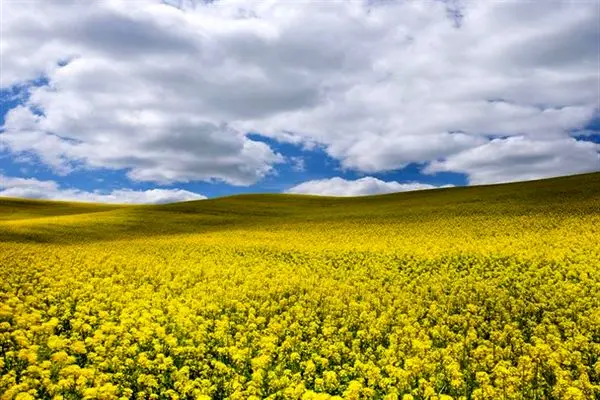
[[148, 101]]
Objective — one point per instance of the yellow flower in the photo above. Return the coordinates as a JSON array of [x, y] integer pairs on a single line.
[[78, 347]]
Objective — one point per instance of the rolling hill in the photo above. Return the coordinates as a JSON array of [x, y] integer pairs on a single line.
[[487, 292], [53, 221]]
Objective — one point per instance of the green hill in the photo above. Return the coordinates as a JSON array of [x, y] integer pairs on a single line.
[[53, 221]]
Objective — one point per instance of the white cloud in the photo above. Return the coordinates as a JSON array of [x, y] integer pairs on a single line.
[[297, 163], [168, 94], [360, 187], [131, 97], [432, 90], [50, 190], [521, 158]]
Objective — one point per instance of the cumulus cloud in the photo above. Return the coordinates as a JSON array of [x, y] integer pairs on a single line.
[[521, 158], [37, 189], [125, 91], [360, 187], [168, 94]]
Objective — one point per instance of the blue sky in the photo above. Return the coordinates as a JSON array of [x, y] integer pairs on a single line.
[[146, 102]]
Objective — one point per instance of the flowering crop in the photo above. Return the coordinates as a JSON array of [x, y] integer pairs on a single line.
[[477, 293]]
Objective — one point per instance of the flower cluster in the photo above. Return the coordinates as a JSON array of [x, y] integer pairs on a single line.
[[459, 307]]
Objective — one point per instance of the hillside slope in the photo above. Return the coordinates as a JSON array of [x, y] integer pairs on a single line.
[[484, 292], [48, 221]]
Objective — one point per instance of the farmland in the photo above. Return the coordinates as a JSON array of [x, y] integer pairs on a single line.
[[487, 292]]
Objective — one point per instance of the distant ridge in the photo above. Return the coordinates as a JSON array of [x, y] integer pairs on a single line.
[[50, 221]]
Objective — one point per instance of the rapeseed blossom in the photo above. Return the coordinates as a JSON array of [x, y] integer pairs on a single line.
[[441, 306]]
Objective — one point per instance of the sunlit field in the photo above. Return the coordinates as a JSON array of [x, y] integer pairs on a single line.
[[488, 292]]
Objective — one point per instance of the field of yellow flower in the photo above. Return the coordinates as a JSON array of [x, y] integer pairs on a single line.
[[465, 293]]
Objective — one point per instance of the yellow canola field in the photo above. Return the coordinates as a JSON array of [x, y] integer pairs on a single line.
[[494, 299]]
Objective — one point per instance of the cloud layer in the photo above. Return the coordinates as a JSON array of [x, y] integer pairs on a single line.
[[169, 94], [360, 187], [50, 190], [520, 159]]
